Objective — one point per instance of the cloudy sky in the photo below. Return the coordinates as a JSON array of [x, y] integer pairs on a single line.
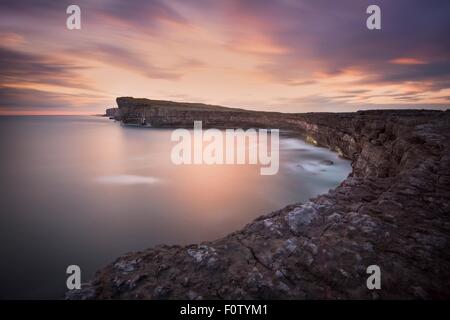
[[285, 55]]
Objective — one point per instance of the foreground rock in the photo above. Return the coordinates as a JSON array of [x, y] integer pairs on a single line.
[[392, 211]]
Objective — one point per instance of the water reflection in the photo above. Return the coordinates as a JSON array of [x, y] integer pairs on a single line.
[[83, 190]]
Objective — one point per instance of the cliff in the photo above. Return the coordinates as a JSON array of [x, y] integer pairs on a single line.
[[113, 113], [161, 113], [392, 211]]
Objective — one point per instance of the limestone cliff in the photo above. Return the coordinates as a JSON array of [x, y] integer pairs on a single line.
[[392, 211], [113, 113]]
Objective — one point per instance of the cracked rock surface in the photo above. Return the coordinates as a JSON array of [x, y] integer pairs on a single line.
[[392, 211]]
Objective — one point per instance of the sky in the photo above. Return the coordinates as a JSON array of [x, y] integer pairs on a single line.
[[277, 55]]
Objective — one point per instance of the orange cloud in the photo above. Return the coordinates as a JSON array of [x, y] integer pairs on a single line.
[[406, 60], [11, 39]]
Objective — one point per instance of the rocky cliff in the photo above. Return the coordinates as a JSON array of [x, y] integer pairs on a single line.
[[113, 113], [392, 211], [159, 113]]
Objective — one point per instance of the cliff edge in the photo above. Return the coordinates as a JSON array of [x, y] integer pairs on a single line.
[[392, 211]]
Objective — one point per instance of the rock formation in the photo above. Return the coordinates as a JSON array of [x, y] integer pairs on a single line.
[[113, 113], [392, 211]]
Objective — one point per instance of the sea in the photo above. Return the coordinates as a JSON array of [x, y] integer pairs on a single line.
[[83, 190]]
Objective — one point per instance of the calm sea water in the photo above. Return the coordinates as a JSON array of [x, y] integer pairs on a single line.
[[84, 190]]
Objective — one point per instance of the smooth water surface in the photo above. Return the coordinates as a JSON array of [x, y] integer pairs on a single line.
[[84, 190]]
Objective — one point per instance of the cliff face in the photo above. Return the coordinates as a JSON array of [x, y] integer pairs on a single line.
[[392, 211], [160, 113], [113, 113]]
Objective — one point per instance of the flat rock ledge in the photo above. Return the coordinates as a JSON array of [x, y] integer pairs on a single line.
[[392, 211]]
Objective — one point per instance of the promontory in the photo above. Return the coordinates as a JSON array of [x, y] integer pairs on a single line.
[[392, 211]]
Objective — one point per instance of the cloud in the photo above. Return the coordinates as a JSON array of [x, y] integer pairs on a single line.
[[24, 67], [32, 82], [319, 52], [11, 39], [137, 13], [126, 179], [301, 82], [124, 58], [26, 100], [313, 103], [330, 37], [407, 61]]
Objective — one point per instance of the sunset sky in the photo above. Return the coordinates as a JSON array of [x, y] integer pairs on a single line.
[[285, 55]]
